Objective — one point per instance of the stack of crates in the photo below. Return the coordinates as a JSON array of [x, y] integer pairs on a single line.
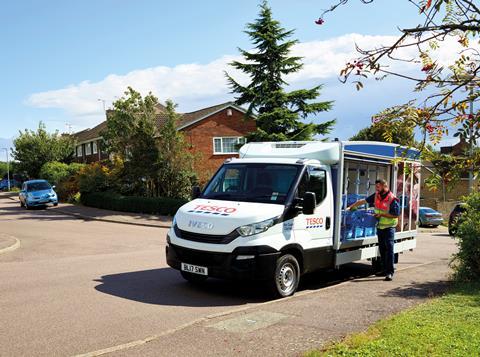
[[357, 224]]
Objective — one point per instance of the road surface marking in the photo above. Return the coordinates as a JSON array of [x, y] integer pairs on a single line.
[[12, 247]]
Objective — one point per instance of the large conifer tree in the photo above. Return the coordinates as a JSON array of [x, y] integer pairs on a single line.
[[279, 114]]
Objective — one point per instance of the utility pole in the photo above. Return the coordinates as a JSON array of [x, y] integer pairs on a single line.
[[104, 108], [8, 168], [69, 128], [471, 117]]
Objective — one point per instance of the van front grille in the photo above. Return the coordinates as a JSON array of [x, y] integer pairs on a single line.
[[205, 238]]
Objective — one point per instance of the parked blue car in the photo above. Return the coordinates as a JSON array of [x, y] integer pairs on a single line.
[[429, 217], [37, 193], [4, 184]]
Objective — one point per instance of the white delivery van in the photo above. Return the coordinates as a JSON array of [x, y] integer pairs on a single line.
[[278, 212]]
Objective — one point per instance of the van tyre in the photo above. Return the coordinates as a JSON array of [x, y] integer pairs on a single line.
[[377, 265], [193, 278], [286, 277]]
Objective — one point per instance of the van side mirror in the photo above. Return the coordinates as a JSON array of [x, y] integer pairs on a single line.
[[309, 202], [196, 192]]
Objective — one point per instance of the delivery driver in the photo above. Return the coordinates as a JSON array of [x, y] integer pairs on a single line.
[[387, 210]]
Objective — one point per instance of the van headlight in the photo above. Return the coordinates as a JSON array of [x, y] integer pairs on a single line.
[[256, 228]]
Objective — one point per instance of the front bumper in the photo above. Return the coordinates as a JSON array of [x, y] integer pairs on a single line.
[[226, 265], [42, 201]]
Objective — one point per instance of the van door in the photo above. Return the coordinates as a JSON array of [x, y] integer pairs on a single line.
[[314, 232]]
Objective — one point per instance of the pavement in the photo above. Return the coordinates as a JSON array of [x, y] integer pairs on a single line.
[[88, 287], [97, 214]]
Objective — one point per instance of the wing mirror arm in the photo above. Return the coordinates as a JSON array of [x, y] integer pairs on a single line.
[[196, 192]]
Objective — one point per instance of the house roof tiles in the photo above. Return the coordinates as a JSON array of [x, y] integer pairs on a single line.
[[185, 120]]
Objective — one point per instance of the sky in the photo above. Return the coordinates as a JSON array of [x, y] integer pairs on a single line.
[[60, 57]]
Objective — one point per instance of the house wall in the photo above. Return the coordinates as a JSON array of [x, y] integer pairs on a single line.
[[434, 199], [87, 159], [200, 136]]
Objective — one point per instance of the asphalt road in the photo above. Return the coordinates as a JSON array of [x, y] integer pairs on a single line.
[[76, 286]]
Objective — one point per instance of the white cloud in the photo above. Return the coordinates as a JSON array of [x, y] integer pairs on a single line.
[[191, 84]]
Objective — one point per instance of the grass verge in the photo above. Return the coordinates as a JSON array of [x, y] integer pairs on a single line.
[[445, 326]]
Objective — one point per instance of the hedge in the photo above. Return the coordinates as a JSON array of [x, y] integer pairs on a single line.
[[466, 262], [135, 204]]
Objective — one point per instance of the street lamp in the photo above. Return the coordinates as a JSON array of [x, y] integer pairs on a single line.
[[471, 138], [103, 102], [8, 168], [472, 81]]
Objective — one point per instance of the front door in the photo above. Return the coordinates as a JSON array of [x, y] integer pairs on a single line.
[[315, 230]]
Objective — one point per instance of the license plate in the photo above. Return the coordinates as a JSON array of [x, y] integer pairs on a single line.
[[195, 269]]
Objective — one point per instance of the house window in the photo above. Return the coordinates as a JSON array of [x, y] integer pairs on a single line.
[[94, 147], [227, 145], [88, 149], [79, 151]]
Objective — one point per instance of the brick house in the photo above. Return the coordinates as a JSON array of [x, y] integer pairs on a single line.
[[213, 133]]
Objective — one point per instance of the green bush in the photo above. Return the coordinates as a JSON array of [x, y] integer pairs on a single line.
[[54, 172], [94, 178], [12, 168], [466, 262], [135, 204], [64, 177]]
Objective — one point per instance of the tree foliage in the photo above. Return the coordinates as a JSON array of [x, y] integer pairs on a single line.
[[147, 160], [12, 168], [279, 114], [449, 87], [32, 149], [55, 172], [466, 262], [402, 134], [130, 138], [446, 171], [175, 175]]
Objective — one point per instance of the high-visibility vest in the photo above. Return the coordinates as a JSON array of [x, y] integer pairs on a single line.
[[383, 206]]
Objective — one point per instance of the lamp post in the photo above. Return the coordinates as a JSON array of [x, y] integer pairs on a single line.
[[8, 169], [104, 108], [472, 81], [470, 171]]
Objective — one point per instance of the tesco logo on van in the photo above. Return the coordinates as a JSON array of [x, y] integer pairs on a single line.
[[213, 210]]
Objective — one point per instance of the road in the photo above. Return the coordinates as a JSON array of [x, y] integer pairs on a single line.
[[77, 286]]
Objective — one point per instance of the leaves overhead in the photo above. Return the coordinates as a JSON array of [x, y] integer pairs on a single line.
[[448, 92]]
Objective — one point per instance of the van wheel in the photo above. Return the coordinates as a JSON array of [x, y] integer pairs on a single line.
[[193, 278], [287, 276], [377, 265]]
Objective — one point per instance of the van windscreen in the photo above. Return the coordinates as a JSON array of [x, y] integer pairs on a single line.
[[253, 182]]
